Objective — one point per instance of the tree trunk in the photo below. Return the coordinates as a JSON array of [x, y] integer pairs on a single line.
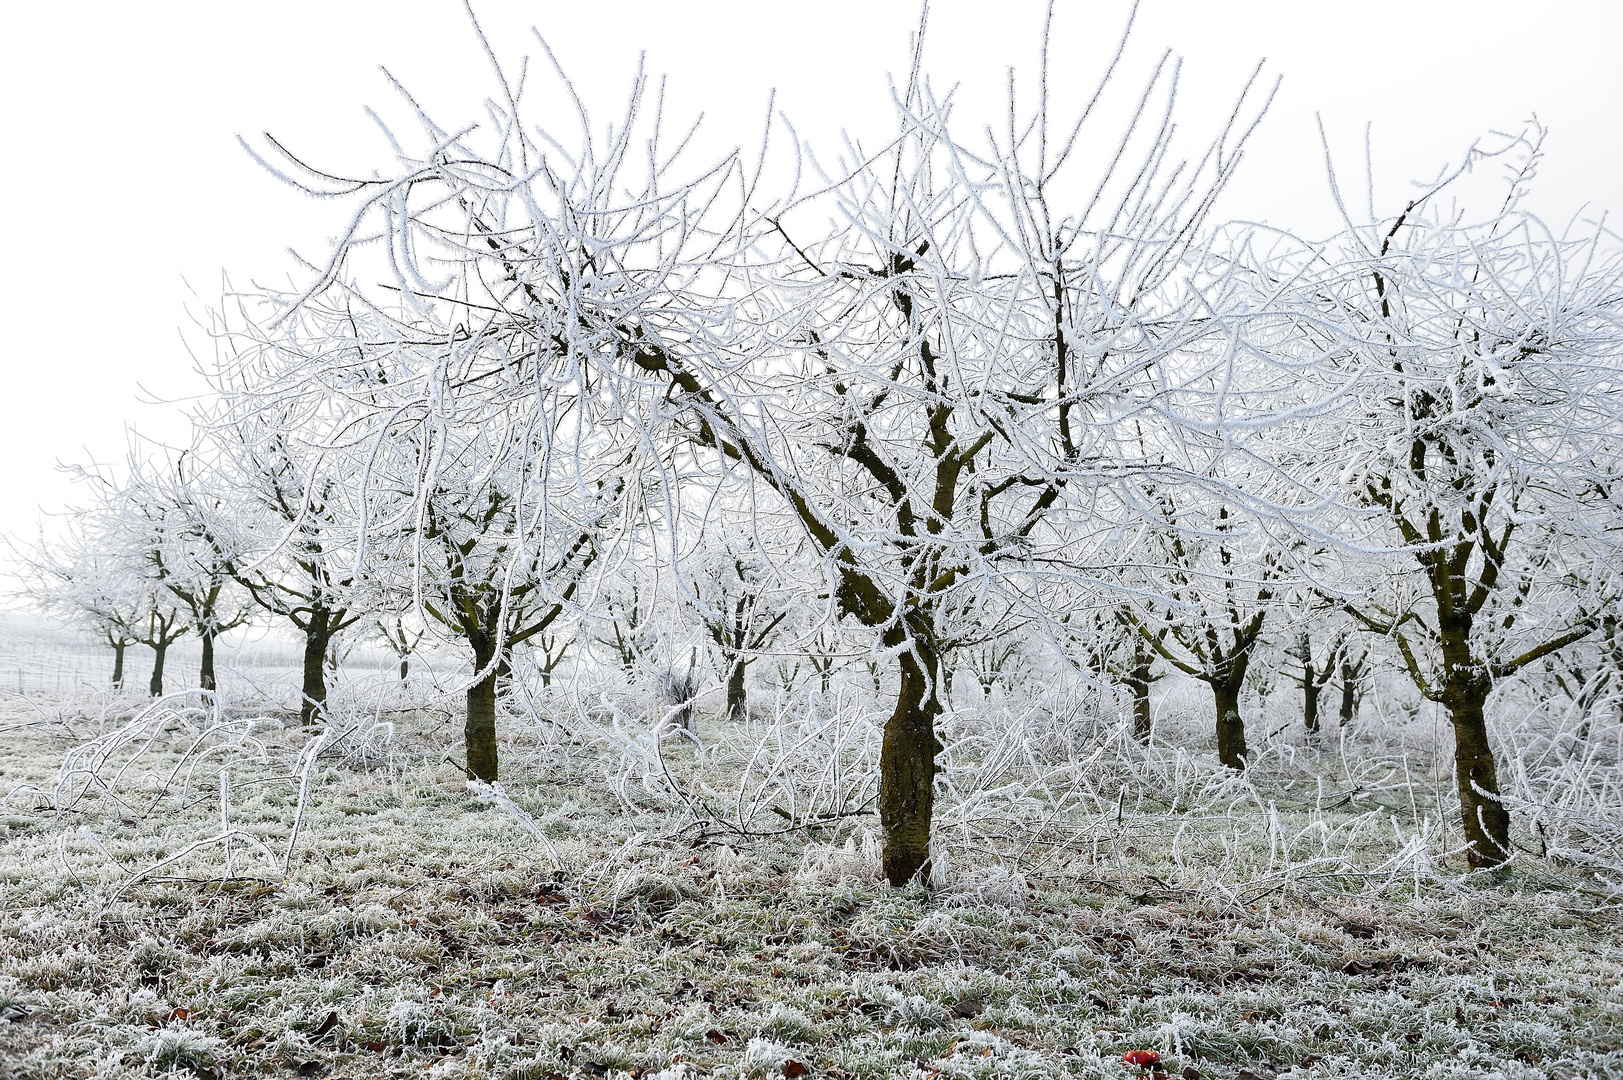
[[1486, 821], [1138, 684], [118, 665], [314, 694], [1310, 683], [205, 674], [1231, 749], [159, 651], [1349, 694], [737, 702], [406, 666], [479, 729], [907, 774]]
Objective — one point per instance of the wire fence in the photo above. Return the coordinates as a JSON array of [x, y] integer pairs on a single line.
[[38, 659]]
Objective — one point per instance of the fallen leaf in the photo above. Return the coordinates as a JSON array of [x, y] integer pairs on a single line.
[[793, 1068], [327, 1025], [715, 1036], [181, 1014]]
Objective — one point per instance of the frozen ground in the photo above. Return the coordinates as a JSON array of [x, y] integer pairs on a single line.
[[418, 931]]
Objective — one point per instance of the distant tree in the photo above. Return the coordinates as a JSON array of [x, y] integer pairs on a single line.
[[1313, 675], [401, 640], [1215, 586], [741, 614], [189, 521], [80, 580]]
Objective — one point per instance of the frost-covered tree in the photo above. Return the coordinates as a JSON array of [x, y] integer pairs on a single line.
[[181, 514], [293, 506], [1111, 647], [741, 610], [1211, 577], [81, 580], [1482, 442], [922, 362], [402, 639]]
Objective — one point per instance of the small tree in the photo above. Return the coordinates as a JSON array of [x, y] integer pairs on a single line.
[[1113, 649], [1216, 588], [81, 582], [1311, 675], [401, 639], [740, 615], [194, 545]]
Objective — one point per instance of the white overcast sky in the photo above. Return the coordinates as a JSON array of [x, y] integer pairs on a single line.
[[127, 196]]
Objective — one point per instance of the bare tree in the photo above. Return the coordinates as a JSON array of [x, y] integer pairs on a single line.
[[402, 640], [930, 389], [1311, 675], [192, 545], [82, 580], [1215, 587], [1482, 444], [740, 614]]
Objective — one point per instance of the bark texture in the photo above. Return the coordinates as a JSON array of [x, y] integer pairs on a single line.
[[907, 771], [1231, 748], [313, 695], [205, 673], [159, 651], [1138, 685], [737, 701], [1349, 692], [479, 729]]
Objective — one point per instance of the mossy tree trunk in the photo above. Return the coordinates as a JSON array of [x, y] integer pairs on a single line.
[[1482, 812], [479, 726], [1231, 748], [1138, 686], [907, 769], [318, 627]]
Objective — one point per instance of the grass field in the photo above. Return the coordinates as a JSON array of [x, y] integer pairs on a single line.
[[415, 930]]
